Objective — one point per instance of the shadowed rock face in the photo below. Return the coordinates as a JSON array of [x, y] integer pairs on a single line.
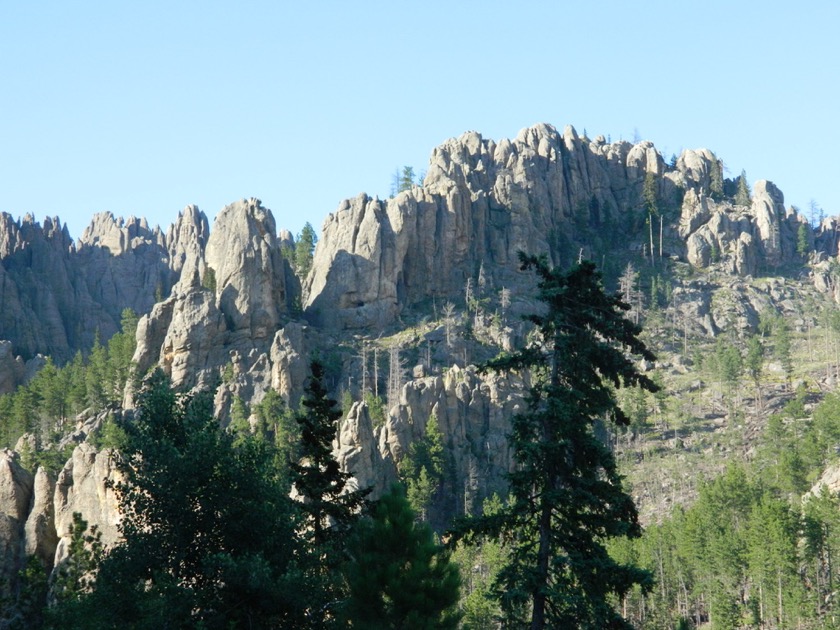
[[56, 295]]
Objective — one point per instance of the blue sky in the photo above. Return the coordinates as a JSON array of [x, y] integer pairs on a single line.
[[142, 108]]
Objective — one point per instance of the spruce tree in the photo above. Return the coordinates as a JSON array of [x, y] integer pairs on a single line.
[[566, 492], [329, 505]]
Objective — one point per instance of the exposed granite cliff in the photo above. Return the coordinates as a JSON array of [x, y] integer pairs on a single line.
[[57, 294], [230, 304], [543, 192]]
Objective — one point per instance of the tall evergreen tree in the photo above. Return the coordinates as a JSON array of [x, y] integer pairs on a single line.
[[567, 495], [716, 179], [406, 178], [304, 249], [422, 468], [742, 194], [329, 504]]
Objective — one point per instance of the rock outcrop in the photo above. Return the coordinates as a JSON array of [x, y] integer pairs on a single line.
[[544, 192], [244, 254], [473, 413], [82, 486], [57, 294], [15, 498], [229, 306], [36, 512], [40, 535], [12, 368]]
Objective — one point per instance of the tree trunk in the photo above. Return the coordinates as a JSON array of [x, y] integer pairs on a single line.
[[781, 610], [652, 250], [543, 553], [660, 237]]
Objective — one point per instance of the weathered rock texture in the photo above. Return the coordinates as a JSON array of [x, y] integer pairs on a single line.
[[544, 192], [244, 253], [229, 306], [36, 512], [473, 413], [56, 294], [82, 486]]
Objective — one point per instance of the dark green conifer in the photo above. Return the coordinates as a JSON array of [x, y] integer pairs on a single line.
[[398, 577], [209, 532], [567, 495]]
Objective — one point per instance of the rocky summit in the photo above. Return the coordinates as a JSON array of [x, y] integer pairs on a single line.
[[403, 297]]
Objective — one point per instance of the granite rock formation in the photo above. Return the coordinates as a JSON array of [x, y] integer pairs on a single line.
[[544, 192]]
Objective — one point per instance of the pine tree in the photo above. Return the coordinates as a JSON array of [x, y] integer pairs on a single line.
[[742, 194], [754, 364], [783, 345], [76, 575], [329, 504], [304, 249], [567, 495], [802, 244], [406, 178], [96, 376], [716, 179], [422, 468], [319, 481], [397, 576]]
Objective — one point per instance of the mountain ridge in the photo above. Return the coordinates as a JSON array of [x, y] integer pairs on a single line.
[[223, 307]]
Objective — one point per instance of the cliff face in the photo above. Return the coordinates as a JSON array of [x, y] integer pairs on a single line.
[[36, 512], [473, 413], [229, 306], [544, 192], [480, 204], [56, 294]]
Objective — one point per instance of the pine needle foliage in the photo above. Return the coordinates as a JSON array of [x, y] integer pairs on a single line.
[[567, 494], [397, 576]]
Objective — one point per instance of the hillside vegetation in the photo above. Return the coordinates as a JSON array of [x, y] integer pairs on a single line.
[[730, 456]]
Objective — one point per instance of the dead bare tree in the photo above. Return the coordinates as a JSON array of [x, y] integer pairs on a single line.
[[449, 321]]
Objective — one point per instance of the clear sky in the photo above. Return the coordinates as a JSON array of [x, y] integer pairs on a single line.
[[140, 108]]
